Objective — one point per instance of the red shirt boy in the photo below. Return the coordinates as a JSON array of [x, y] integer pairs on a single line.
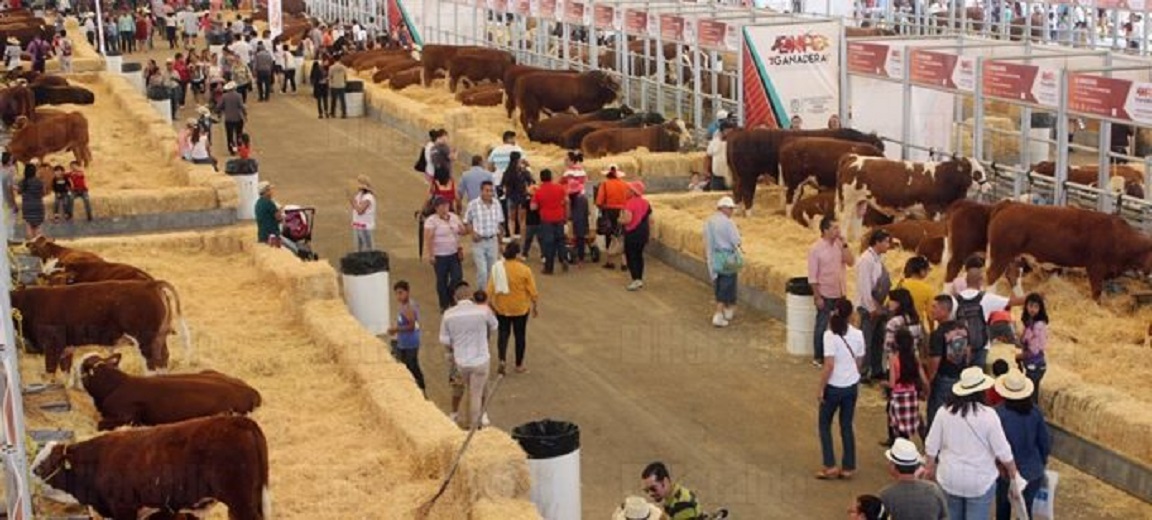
[[76, 177]]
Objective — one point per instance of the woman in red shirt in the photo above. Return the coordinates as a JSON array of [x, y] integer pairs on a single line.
[[444, 186], [636, 232]]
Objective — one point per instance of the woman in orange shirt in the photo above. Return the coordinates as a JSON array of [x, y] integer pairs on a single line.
[[611, 196]]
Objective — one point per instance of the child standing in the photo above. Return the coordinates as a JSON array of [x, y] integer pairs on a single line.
[[60, 189], [531, 224], [79, 184], [406, 333], [1034, 340]]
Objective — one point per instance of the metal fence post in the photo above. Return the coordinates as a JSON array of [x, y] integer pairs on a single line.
[[1059, 193]]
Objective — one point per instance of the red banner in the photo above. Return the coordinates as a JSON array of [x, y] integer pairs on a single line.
[[931, 68], [1099, 96], [671, 27], [868, 58], [712, 34], [546, 9], [574, 12], [500, 6], [1010, 80], [635, 22], [522, 7], [604, 16]]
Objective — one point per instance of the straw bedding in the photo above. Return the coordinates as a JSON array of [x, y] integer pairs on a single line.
[[1096, 383], [337, 410]]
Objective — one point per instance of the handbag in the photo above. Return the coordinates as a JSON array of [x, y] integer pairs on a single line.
[[724, 261]]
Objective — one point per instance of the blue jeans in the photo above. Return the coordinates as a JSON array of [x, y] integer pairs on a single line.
[[980, 359], [1004, 507], [941, 389], [448, 274], [873, 352], [551, 240], [1035, 372], [485, 253], [82, 195], [975, 508], [844, 401], [821, 326]]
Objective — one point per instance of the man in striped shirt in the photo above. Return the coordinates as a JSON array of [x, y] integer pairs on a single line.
[[679, 502], [483, 218]]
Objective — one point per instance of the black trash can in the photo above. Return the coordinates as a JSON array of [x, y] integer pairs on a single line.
[[800, 309], [366, 289], [553, 449]]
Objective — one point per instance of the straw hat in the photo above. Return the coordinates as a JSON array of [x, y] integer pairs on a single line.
[[636, 508], [363, 182], [1014, 385], [203, 110], [191, 121], [725, 202], [231, 85], [904, 453], [263, 187], [972, 380], [637, 187], [13, 41]]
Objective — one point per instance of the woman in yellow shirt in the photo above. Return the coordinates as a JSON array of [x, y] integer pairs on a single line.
[[915, 281], [512, 293]]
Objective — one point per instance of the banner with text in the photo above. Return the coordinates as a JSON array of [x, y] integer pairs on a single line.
[[1113, 98], [876, 59], [1035, 84], [717, 35], [791, 71], [545, 9], [636, 22], [275, 17], [942, 69]]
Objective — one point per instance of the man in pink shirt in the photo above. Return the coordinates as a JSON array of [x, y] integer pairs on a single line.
[[828, 263]]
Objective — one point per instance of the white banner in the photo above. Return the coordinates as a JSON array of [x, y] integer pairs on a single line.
[[797, 71], [275, 17]]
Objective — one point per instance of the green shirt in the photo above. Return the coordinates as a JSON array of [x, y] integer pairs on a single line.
[[266, 223], [681, 504]]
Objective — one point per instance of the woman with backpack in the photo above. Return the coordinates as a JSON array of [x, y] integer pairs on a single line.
[[839, 389], [964, 445]]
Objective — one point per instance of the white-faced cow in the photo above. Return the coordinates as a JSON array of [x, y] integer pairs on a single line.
[[901, 188]]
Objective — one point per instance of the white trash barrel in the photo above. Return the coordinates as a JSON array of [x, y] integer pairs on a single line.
[[366, 290], [113, 63], [247, 177], [354, 96], [134, 73], [553, 449], [801, 316]]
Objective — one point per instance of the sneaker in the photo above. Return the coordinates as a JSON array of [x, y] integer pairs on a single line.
[[718, 320], [484, 420], [635, 285], [729, 313]]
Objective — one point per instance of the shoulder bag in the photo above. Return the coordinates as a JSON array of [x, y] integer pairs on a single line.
[[724, 261]]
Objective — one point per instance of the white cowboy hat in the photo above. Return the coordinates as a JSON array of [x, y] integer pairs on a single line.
[[725, 202], [904, 453], [636, 508], [203, 110], [1014, 385], [722, 114], [231, 85], [191, 121], [263, 187], [12, 40], [364, 182], [972, 380]]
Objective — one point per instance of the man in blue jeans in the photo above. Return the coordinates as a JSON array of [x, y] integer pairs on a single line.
[[828, 263], [943, 371], [552, 201], [483, 218]]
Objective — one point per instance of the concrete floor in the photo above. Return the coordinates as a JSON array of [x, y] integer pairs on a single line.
[[644, 374]]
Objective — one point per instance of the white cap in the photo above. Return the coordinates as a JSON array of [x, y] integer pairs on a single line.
[[723, 114], [725, 202]]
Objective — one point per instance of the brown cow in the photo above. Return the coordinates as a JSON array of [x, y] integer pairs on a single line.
[[15, 102], [405, 79], [967, 231], [123, 399], [88, 272], [815, 160], [436, 57], [1089, 175], [752, 153], [65, 95], [37, 139], [476, 68], [560, 91], [169, 469], [1105, 245], [552, 129], [56, 318], [385, 71], [893, 187], [381, 62], [923, 237], [808, 210], [484, 95], [672, 136], [512, 75], [46, 249], [574, 136]]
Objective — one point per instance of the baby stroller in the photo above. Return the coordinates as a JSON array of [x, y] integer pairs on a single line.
[[297, 231], [571, 241]]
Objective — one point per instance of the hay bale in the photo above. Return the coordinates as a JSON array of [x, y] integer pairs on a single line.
[[486, 509], [1004, 148], [305, 280], [669, 164], [458, 119], [129, 202]]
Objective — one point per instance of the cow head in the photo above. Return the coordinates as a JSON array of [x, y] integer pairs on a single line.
[[979, 175], [680, 130], [51, 467], [604, 80], [90, 364], [40, 246]]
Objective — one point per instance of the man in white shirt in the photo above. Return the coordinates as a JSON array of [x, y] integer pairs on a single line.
[[501, 155], [484, 217], [872, 285], [191, 24], [242, 50], [990, 302], [464, 331]]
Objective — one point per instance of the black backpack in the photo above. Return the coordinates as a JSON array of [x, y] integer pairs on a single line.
[[971, 315]]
